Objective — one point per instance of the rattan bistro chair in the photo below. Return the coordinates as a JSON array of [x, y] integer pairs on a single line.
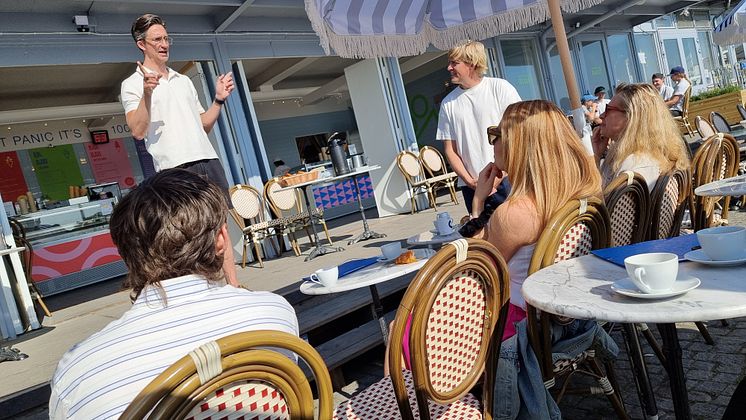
[[238, 376], [669, 199], [458, 305], [411, 169], [704, 127], [719, 122], [741, 111], [575, 230], [716, 159], [628, 202], [248, 207], [435, 166]]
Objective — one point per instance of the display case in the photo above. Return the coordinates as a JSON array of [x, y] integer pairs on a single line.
[[72, 246]]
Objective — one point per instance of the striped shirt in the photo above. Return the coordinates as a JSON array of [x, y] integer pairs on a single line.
[[99, 377]]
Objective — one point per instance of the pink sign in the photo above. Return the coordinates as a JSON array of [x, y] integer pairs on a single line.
[[110, 163]]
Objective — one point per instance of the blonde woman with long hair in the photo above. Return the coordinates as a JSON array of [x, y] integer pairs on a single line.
[[638, 134], [540, 152]]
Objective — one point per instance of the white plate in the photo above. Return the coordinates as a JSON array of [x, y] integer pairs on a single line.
[[420, 254], [681, 285], [699, 256], [435, 232]]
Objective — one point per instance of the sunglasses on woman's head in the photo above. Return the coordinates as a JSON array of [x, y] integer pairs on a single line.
[[493, 134]]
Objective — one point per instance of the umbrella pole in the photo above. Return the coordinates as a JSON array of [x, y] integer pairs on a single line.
[[563, 49]]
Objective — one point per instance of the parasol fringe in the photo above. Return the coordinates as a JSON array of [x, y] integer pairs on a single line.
[[372, 46]]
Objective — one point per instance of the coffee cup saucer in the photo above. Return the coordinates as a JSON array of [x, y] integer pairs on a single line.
[[682, 285], [699, 256]]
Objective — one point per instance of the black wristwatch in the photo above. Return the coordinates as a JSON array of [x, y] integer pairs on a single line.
[[219, 102]]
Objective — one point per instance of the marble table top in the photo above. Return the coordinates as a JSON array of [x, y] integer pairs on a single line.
[[368, 276], [581, 288], [729, 186]]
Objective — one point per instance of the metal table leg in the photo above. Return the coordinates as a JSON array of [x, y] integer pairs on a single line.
[[377, 310], [367, 233], [318, 249], [675, 370], [640, 371]]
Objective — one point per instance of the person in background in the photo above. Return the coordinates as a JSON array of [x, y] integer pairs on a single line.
[[590, 109], [162, 109], [171, 233], [681, 85], [601, 101], [638, 134], [280, 167], [659, 81], [477, 103]]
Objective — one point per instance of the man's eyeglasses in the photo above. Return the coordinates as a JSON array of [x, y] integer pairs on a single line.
[[493, 134], [614, 108], [161, 39]]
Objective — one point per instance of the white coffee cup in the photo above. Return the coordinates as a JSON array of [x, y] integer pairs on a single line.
[[723, 243], [653, 272], [326, 276], [391, 250], [444, 215], [444, 226]]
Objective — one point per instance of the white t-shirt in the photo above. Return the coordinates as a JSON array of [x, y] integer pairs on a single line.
[[465, 115], [666, 92], [99, 377], [175, 134], [601, 105], [680, 89]]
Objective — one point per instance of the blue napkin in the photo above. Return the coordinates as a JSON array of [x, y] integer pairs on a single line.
[[679, 245], [349, 267]]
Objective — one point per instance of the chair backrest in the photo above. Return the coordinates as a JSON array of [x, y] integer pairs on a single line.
[[458, 304], [716, 158], [247, 202], [409, 165], [704, 128], [432, 160], [719, 122], [741, 111], [239, 375], [668, 201], [687, 97], [281, 202], [628, 203]]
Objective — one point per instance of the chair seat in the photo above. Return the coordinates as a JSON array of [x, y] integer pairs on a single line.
[[443, 177], [378, 401]]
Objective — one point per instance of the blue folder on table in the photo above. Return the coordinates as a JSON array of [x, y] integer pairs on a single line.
[[349, 267], [679, 245]]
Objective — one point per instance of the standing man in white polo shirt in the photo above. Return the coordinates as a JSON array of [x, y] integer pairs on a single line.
[[163, 110]]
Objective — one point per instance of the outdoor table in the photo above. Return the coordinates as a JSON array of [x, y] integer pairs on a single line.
[[581, 288], [729, 186], [369, 277], [367, 233], [431, 239]]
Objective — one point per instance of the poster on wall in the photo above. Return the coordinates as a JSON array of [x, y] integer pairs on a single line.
[[146, 160], [110, 163], [12, 183], [56, 168]]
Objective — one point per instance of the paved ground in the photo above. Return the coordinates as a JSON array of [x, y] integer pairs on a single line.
[[712, 371]]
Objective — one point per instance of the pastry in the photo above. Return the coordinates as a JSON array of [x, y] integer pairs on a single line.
[[406, 257]]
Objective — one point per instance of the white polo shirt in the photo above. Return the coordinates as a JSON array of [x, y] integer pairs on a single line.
[[99, 377], [175, 134], [680, 89]]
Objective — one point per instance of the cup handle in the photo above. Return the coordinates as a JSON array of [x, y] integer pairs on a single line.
[[314, 278], [639, 282]]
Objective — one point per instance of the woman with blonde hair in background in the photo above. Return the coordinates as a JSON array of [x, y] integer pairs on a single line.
[[638, 134], [537, 148]]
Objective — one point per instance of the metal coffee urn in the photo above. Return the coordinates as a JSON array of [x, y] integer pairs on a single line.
[[337, 153]]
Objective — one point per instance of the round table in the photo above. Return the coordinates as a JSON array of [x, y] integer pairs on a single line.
[[581, 288], [369, 277], [729, 186]]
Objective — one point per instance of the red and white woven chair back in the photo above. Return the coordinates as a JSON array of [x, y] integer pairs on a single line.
[[577, 242], [623, 220], [455, 331], [284, 200], [670, 202], [252, 399], [432, 159], [410, 164], [247, 203]]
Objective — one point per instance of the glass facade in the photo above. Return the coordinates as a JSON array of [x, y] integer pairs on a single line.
[[594, 64], [561, 97], [623, 65], [691, 60], [673, 57], [647, 55], [521, 67]]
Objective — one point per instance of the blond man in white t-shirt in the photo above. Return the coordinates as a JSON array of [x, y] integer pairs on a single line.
[[465, 114]]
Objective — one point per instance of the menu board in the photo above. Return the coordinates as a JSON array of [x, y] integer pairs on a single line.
[[110, 163], [12, 183], [56, 168]]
